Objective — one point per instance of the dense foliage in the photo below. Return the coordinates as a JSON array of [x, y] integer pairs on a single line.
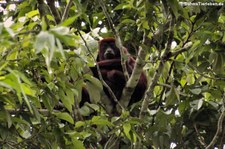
[[47, 47]]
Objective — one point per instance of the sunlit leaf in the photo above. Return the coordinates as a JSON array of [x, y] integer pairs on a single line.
[[78, 144], [61, 30], [197, 104], [79, 124], [14, 80], [97, 120], [69, 21], [64, 116], [32, 13], [126, 129]]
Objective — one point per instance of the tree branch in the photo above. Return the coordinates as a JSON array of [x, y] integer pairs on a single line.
[[149, 93], [66, 11], [219, 126], [44, 112], [200, 138], [134, 78], [55, 12]]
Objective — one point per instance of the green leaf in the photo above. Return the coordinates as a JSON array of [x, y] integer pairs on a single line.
[[13, 79], [26, 134], [47, 102], [23, 77], [93, 106], [8, 118], [97, 120], [69, 21], [174, 6], [44, 40], [218, 63], [94, 93], [216, 94], [94, 88], [6, 85], [1, 27], [45, 43], [61, 30], [28, 90], [223, 40], [126, 129], [197, 104], [85, 111], [67, 97], [36, 113], [70, 96], [64, 116], [94, 81], [80, 124], [60, 48], [10, 31], [172, 96], [32, 13], [78, 144], [123, 6], [62, 33], [203, 67], [196, 91], [182, 106]]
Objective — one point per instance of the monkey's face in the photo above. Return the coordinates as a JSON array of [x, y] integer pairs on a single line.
[[108, 50]]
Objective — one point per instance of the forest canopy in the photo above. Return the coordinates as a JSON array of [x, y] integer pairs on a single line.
[[47, 48]]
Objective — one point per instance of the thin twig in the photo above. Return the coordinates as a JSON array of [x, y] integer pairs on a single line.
[[200, 138], [66, 11], [157, 74], [55, 12], [196, 71], [44, 112], [28, 32]]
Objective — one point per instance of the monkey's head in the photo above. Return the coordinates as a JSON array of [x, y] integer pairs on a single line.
[[108, 49]]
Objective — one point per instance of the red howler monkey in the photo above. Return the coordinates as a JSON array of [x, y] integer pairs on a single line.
[[109, 61]]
